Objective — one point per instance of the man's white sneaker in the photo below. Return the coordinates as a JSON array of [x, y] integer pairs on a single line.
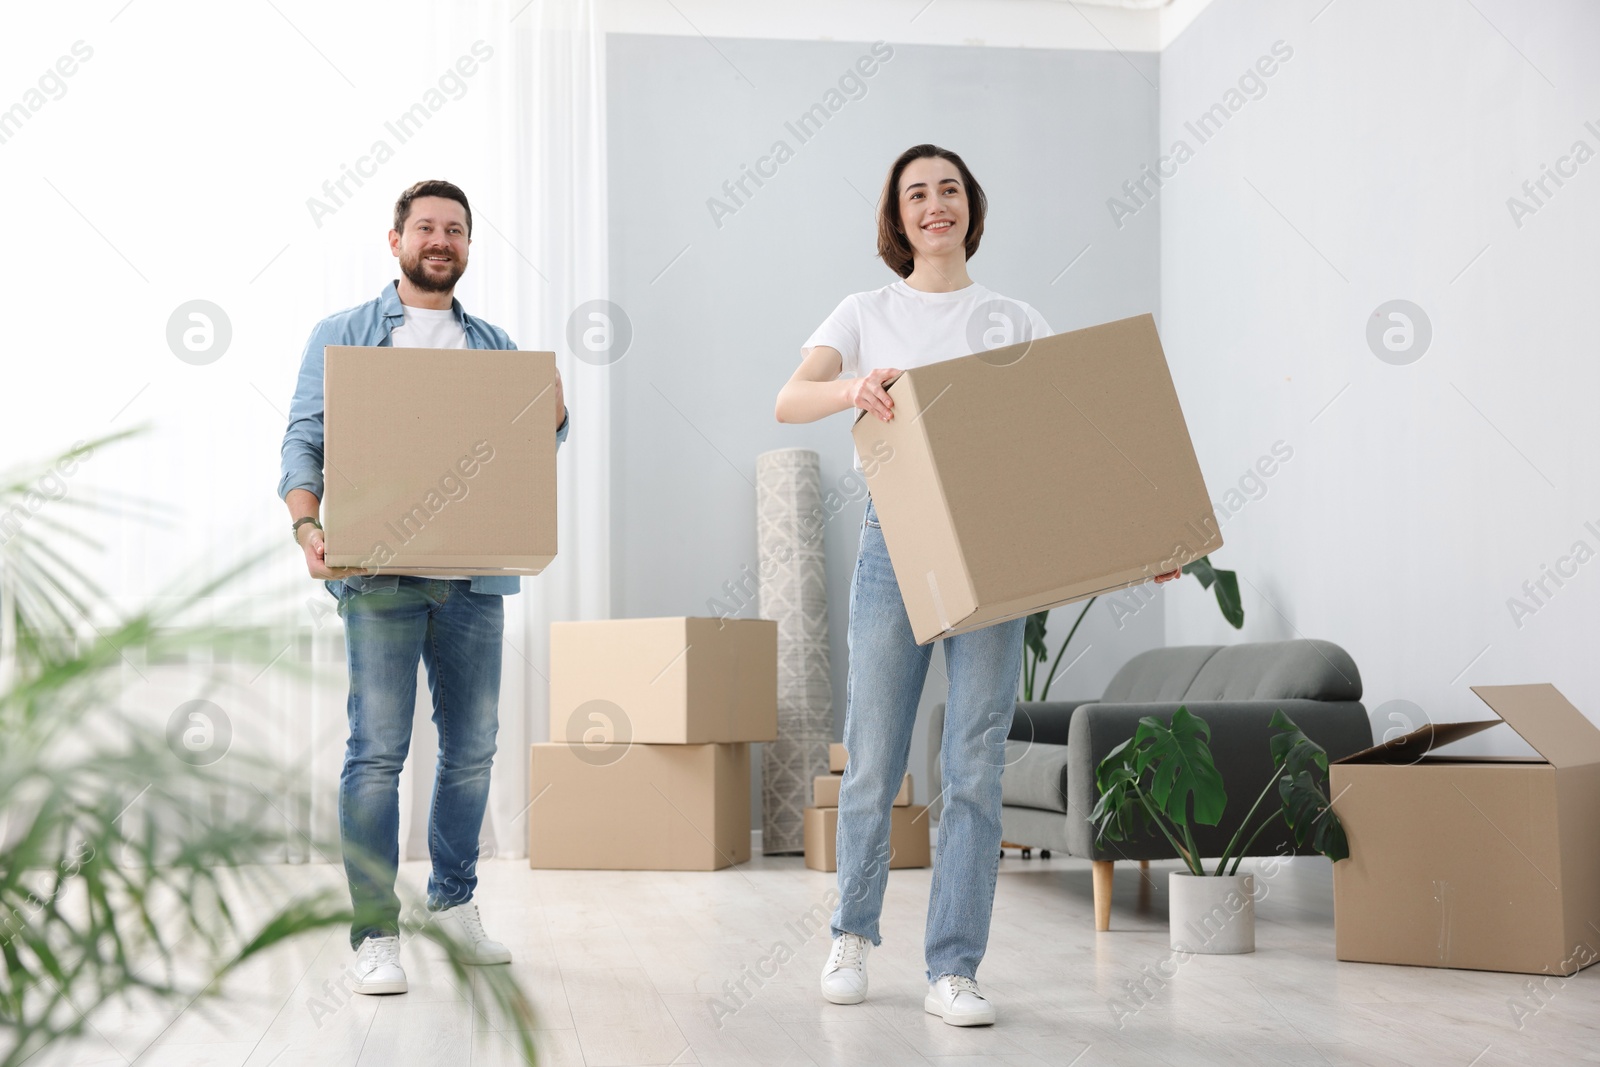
[[377, 968], [463, 924], [844, 977], [957, 999]]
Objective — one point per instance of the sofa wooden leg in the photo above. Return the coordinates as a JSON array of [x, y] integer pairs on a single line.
[[1102, 893]]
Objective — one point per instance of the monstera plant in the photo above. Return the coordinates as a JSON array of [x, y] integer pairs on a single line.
[[1164, 777]]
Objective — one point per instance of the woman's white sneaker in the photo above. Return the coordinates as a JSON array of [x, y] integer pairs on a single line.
[[465, 926], [958, 1001], [844, 976], [377, 970]]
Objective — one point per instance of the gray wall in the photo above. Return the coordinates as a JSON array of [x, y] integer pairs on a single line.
[[718, 329], [1378, 166]]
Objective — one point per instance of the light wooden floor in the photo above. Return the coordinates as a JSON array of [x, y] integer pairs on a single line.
[[623, 968]]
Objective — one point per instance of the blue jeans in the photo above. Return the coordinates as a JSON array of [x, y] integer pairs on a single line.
[[887, 671], [457, 634]]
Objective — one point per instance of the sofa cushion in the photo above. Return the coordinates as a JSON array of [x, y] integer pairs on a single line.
[[1277, 670], [1158, 675], [1035, 776]]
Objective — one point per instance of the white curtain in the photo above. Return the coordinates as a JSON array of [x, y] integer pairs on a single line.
[[169, 168]]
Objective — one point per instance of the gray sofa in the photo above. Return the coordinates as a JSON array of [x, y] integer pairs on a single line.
[[1053, 747]]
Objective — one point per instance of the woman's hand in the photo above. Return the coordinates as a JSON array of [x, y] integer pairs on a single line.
[[1167, 577], [869, 393]]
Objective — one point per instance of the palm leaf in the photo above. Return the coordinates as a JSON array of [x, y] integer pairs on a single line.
[[111, 873]]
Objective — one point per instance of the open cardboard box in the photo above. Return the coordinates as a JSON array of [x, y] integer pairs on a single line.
[[1035, 475], [439, 461], [1480, 862]]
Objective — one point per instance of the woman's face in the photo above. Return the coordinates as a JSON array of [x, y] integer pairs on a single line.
[[933, 206]]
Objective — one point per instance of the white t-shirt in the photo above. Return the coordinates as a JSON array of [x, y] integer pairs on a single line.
[[430, 328], [898, 326]]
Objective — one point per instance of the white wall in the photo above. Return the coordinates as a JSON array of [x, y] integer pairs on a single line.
[[1419, 497]]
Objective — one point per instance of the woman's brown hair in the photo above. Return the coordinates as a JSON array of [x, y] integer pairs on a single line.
[[894, 248]]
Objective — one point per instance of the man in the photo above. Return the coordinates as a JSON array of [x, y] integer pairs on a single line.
[[455, 625]]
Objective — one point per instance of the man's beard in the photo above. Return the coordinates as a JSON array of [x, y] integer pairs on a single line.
[[416, 272]]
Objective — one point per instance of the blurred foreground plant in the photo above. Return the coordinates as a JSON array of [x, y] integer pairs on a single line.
[[114, 880]]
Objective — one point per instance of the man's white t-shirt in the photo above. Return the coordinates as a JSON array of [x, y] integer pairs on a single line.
[[430, 328], [901, 327]]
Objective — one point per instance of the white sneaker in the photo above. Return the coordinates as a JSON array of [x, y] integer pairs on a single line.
[[463, 923], [377, 968], [844, 977], [957, 999]]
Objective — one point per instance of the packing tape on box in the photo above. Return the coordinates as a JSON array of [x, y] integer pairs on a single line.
[[938, 602]]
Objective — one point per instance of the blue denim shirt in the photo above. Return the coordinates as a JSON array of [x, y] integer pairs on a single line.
[[369, 325]]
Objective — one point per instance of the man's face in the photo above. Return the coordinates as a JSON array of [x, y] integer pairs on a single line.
[[433, 248]]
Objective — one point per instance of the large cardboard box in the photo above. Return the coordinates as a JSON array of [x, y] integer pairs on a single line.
[[1034, 475], [837, 757], [439, 461], [1480, 862], [670, 681], [639, 807], [825, 791], [908, 837]]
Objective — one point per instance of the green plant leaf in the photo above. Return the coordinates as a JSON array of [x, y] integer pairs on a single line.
[[1310, 816], [1202, 569], [1033, 635], [1184, 781], [1292, 750], [1118, 814], [1226, 588]]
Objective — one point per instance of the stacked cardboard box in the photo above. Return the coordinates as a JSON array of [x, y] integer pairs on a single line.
[[908, 833], [648, 766]]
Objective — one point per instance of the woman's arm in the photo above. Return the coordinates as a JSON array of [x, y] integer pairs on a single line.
[[814, 392]]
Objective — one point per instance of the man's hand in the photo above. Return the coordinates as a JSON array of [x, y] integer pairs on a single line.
[[868, 393], [1167, 577], [561, 403], [316, 550]]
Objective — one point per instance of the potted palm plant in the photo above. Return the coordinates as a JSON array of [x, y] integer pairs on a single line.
[[1224, 583], [116, 887], [1164, 777]]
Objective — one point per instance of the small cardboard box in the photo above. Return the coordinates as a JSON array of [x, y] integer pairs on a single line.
[[825, 791], [439, 461], [639, 807], [1480, 862], [837, 758], [670, 681], [1035, 475], [908, 837]]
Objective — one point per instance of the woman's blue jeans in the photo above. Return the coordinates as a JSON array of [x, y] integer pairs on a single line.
[[887, 671], [457, 634]]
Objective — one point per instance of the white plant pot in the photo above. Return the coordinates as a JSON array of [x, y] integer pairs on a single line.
[[1212, 915]]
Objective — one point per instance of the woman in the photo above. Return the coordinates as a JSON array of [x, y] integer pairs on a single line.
[[930, 220]]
